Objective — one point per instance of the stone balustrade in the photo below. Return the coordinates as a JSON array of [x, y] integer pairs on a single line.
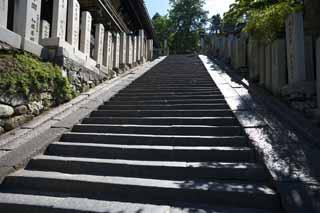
[[68, 33]]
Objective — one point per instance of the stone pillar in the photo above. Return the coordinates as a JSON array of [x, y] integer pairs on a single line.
[[295, 48], [141, 46], [73, 23], [134, 55], [3, 13], [318, 71], [129, 50], [27, 24], [268, 81], [116, 51], [253, 53], [262, 64], [85, 38], [98, 43], [309, 58], [45, 30], [150, 49], [165, 47], [59, 19], [112, 54], [27, 19], [123, 49], [138, 54], [278, 65], [229, 46], [107, 50]]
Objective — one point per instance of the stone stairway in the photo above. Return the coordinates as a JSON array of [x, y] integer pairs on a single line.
[[166, 143]]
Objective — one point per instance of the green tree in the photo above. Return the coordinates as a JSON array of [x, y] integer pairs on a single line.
[[265, 18], [188, 19], [162, 25], [215, 23]]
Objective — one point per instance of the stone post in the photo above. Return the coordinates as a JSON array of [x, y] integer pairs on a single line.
[[59, 19], [253, 59], [229, 46], [98, 43], [73, 23], [45, 30], [129, 50], [318, 71], [268, 81], [165, 47], [85, 38], [150, 49], [107, 50], [295, 48], [3, 13], [309, 58], [141, 46], [27, 19], [123, 49], [116, 52], [262, 64], [112, 54], [27, 24], [278, 65], [134, 55]]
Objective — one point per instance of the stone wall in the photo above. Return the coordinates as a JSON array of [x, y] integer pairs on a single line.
[[286, 67]]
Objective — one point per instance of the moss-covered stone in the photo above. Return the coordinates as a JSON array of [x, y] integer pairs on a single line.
[[22, 74]]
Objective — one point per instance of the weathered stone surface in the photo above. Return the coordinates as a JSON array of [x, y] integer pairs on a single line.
[[13, 100], [59, 19], [299, 91], [107, 50], [318, 71], [278, 67], [6, 111], [27, 19], [268, 69], [35, 107], [1, 130], [3, 13], [16, 121], [45, 30], [98, 43], [86, 22], [295, 48], [73, 23], [21, 110]]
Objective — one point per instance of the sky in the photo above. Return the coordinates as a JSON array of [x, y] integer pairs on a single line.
[[213, 6]]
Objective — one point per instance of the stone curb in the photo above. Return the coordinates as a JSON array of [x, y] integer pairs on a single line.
[[19, 146], [285, 155]]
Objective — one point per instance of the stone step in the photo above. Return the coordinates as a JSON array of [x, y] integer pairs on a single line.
[[181, 85], [160, 140], [161, 129], [157, 102], [150, 169], [235, 194], [153, 153], [213, 121], [163, 107], [26, 203], [131, 89], [162, 113], [127, 92], [164, 97]]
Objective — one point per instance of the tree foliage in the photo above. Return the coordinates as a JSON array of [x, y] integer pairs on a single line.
[[188, 19], [162, 25], [265, 18], [215, 24]]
